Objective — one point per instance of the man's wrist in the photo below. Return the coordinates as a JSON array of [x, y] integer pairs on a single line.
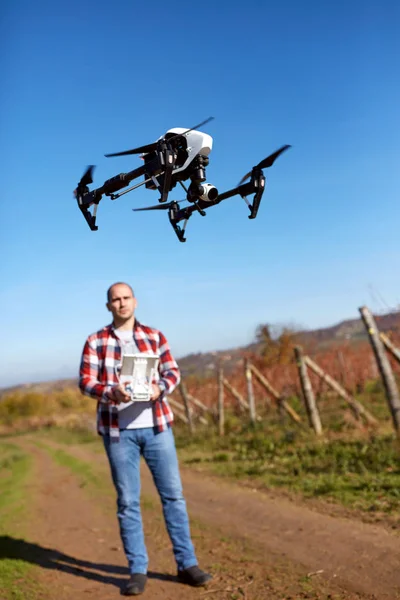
[[162, 386], [108, 394]]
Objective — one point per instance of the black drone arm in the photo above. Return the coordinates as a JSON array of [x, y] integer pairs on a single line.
[[86, 198], [241, 190], [255, 186]]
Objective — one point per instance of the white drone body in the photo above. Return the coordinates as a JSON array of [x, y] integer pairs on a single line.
[[197, 143]]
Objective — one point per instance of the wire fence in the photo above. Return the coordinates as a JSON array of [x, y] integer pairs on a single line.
[[323, 392]]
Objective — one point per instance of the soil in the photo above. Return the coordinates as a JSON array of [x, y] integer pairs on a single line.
[[255, 545]]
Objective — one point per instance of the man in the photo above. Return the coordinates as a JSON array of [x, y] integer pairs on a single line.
[[133, 429]]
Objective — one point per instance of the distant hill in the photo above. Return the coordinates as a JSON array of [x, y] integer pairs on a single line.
[[41, 387], [352, 330], [203, 364]]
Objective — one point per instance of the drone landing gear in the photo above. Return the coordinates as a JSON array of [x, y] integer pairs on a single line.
[[173, 212], [255, 186], [258, 182], [166, 157], [86, 199], [90, 217], [180, 231]]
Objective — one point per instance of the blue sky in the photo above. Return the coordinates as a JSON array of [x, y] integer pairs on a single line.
[[81, 79]]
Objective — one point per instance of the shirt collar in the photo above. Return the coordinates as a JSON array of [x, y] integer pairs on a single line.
[[111, 327]]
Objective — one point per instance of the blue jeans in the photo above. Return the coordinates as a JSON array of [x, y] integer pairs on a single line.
[[158, 450]]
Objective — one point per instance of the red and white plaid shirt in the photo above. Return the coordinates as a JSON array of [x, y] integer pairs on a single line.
[[97, 376]]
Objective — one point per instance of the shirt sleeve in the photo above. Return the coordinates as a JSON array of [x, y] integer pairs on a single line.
[[168, 368], [89, 374]]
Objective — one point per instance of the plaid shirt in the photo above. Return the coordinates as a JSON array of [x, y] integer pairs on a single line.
[[97, 376]]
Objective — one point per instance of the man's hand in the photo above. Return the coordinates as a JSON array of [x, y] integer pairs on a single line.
[[156, 392], [119, 394]]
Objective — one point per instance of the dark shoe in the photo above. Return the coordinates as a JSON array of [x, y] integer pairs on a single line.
[[194, 576], [135, 585]]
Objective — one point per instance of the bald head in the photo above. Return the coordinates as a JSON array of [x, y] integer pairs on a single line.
[[110, 289]]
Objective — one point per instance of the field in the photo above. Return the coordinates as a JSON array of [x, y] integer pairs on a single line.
[[275, 512]]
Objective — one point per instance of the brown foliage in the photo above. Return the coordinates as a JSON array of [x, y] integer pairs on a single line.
[[276, 349], [351, 363]]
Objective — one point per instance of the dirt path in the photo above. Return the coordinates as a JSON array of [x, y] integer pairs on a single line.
[[364, 558], [75, 541], [69, 538], [269, 545]]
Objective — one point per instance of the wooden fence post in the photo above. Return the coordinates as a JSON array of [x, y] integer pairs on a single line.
[[342, 368], [280, 400], [221, 419], [356, 406], [308, 394], [250, 392], [385, 369], [395, 352], [182, 389], [242, 402], [197, 402], [178, 409]]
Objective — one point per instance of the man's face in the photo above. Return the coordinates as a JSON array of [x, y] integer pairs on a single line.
[[122, 304]]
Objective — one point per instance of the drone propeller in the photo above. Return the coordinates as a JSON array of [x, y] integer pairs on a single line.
[[153, 146], [140, 150], [192, 129], [87, 177], [267, 162], [159, 206], [85, 180]]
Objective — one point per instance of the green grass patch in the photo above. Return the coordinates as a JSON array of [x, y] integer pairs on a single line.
[[362, 474], [73, 436], [16, 574], [14, 469], [82, 469], [89, 477]]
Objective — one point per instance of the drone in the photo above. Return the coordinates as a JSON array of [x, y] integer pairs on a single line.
[[181, 155]]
